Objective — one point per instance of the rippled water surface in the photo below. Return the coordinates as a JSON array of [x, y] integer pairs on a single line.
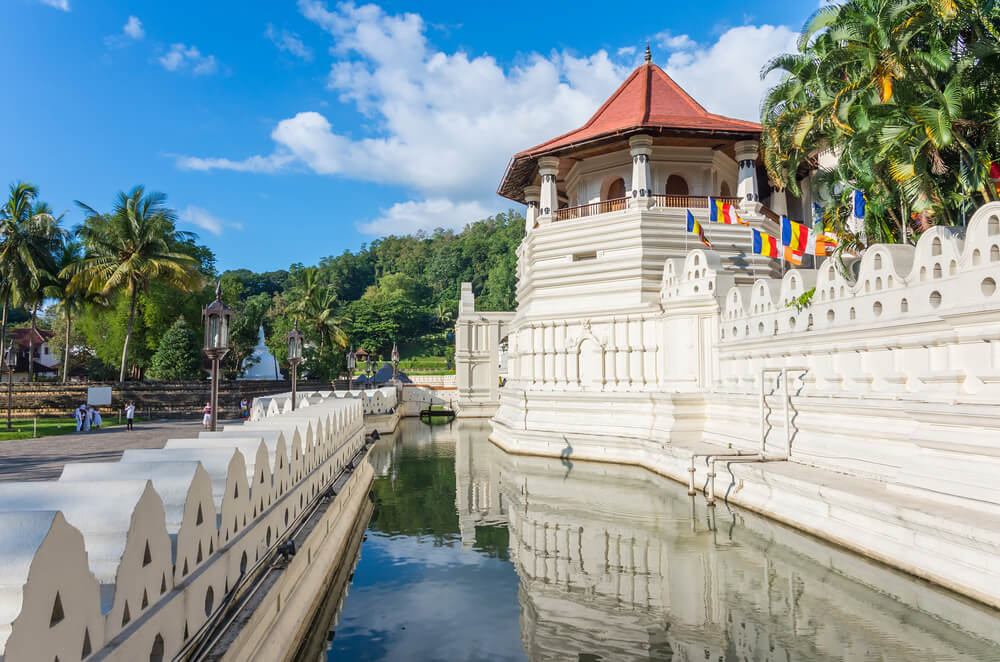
[[473, 554]]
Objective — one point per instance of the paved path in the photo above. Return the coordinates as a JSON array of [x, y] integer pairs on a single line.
[[43, 459]]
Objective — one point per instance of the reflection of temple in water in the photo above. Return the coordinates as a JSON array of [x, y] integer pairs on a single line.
[[617, 563]]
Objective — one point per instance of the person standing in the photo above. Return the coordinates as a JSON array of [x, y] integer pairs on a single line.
[[95, 418], [206, 419], [79, 419], [129, 415], [84, 418]]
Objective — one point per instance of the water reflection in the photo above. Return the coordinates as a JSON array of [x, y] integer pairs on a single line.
[[614, 563]]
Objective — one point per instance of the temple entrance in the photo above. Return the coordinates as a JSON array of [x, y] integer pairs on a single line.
[[676, 185]]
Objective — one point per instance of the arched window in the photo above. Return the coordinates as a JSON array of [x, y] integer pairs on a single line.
[[616, 190], [725, 191], [676, 185]]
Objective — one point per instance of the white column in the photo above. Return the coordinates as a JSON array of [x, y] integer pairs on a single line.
[[548, 168], [538, 354], [641, 147], [560, 349], [746, 158], [531, 197]]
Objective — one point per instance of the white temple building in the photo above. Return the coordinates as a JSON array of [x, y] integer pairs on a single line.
[[261, 365], [867, 416]]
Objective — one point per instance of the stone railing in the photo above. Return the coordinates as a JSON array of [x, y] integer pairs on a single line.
[[129, 560], [382, 400]]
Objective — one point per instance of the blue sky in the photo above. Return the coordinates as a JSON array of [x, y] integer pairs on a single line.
[[288, 131]]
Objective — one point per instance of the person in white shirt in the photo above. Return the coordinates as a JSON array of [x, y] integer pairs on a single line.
[[129, 414], [79, 418], [95, 418]]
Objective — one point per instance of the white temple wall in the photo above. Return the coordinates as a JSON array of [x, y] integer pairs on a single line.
[[165, 565]]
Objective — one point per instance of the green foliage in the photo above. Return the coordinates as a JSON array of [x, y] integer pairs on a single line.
[[178, 355], [802, 301], [905, 94]]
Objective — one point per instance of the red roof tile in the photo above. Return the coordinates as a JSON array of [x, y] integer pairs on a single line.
[[648, 98]]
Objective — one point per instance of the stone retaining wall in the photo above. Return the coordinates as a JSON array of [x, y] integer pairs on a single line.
[[156, 399]]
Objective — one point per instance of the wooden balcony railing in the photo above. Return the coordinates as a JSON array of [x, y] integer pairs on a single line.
[[593, 209], [688, 201], [619, 204]]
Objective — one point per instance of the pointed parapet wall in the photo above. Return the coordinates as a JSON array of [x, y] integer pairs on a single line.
[[142, 552], [49, 598], [124, 529], [186, 491], [902, 319]]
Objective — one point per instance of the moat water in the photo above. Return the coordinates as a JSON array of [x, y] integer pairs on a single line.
[[473, 554]]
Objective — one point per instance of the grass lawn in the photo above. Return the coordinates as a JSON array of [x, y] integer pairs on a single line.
[[22, 428]]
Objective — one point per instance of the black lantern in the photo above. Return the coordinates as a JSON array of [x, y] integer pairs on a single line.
[[10, 358], [216, 317], [394, 357], [294, 355]]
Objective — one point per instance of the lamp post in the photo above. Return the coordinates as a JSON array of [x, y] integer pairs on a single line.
[[217, 317], [294, 355], [10, 358], [352, 362], [394, 357], [371, 369]]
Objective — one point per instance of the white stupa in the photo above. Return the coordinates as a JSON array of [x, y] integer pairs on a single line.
[[265, 367]]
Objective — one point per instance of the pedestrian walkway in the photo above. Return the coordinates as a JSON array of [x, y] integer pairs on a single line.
[[43, 458]]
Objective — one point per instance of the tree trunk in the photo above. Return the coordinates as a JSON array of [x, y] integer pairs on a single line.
[[128, 336], [69, 325], [31, 345]]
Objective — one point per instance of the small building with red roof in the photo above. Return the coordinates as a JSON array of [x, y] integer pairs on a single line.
[[46, 363]]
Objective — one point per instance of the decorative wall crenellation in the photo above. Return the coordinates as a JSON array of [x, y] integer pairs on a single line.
[[127, 560]]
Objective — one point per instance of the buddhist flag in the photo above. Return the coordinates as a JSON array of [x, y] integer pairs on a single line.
[[796, 236], [723, 212], [860, 202], [792, 257], [764, 244], [824, 244], [694, 227]]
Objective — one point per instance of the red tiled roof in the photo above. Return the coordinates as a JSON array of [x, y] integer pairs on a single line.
[[649, 99], [21, 336]]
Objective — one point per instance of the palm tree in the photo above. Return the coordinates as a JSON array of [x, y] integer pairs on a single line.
[[69, 300], [905, 93], [129, 248], [30, 234]]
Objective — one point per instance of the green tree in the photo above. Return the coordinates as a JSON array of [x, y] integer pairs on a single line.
[[69, 300], [179, 354], [134, 245], [905, 94], [30, 233]]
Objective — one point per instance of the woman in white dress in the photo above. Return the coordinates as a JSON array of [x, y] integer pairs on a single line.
[[206, 419]]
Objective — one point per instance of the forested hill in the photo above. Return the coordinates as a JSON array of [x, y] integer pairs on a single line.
[[402, 289]]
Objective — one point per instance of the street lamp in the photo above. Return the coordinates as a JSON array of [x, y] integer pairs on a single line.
[[394, 357], [216, 317], [352, 362], [371, 368], [294, 355], [11, 360]]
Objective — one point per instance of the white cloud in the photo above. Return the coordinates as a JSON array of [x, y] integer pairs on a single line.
[[725, 76], [444, 125], [133, 28], [58, 4], [206, 221], [289, 42], [131, 31], [182, 58], [407, 217]]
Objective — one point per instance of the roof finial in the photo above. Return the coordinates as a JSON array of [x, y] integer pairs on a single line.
[[649, 55]]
